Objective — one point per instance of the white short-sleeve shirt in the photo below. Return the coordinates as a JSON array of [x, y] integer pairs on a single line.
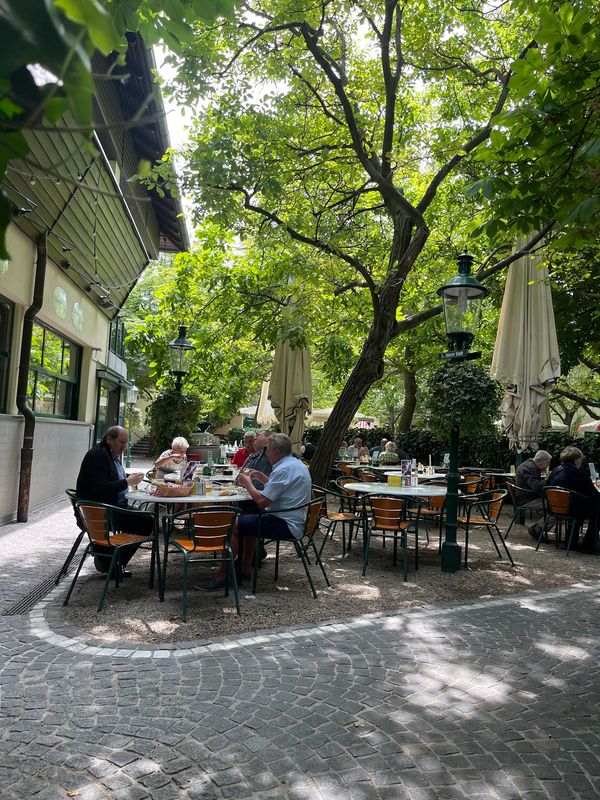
[[289, 485]]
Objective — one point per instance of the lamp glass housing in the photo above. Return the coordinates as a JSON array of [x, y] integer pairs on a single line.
[[462, 297], [132, 394], [180, 353]]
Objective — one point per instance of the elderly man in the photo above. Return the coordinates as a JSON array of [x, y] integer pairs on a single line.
[[529, 477], [378, 448], [102, 479], [242, 454], [258, 461], [287, 486]]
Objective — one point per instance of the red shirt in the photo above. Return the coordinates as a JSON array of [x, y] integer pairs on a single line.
[[239, 457]]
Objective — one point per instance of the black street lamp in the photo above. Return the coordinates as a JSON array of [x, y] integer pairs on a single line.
[[180, 352], [462, 297], [132, 396]]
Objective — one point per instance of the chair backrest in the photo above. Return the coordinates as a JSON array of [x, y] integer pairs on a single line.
[[73, 498], [367, 476], [388, 512], [436, 502], [558, 501], [95, 518], [470, 484], [211, 528], [345, 469], [341, 484], [316, 508], [496, 500]]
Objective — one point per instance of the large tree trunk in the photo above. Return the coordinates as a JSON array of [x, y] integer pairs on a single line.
[[410, 401], [367, 370]]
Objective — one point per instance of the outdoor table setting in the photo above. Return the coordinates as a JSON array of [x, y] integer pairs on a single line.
[[223, 496]]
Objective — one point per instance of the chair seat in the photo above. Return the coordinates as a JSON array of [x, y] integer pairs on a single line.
[[342, 516], [118, 539], [189, 546], [474, 521]]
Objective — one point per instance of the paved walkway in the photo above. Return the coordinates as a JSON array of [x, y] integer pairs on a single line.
[[496, 699]]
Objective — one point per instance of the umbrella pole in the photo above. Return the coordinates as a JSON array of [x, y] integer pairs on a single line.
[[450, 547]]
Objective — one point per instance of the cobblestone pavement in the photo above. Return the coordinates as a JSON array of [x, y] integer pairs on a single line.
[[491, 700]]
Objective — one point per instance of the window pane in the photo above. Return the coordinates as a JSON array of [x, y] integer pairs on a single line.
[[64, 398], [53, 348], [37, 344], [45, 393]]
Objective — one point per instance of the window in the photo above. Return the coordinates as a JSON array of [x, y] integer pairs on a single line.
[[117, 337], [6, 322], [53, 374]]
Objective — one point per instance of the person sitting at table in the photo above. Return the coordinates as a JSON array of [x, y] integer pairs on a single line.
[[389, 455], [529, 476], [569, 475], [102, 479], [174, 459], [343, 450], [258, 461], [363, 454], [378, 448], [242, 454], [287, 486], [352, 451]]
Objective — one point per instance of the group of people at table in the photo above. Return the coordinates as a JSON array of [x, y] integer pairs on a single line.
[[276, 480]]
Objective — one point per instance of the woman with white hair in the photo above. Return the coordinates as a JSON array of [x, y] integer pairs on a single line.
[[174, 459]]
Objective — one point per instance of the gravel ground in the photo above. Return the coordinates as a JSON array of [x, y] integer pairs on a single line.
[[133, 613]]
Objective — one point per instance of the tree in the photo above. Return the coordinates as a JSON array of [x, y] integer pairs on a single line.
[[355, 144], [60, 37]]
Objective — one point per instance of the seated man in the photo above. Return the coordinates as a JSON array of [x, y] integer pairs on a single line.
[[569, 475], [529, 476], [102, 479], [378, 448], [287, 486], [258, 461], [389, 455]]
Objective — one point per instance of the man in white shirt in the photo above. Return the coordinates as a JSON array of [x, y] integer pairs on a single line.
[[288, 486]]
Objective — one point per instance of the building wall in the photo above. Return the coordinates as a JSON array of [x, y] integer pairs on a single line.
[[59, 445]]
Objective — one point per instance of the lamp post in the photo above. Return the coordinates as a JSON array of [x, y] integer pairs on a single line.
[[132, 396], [180, 352], [462, 297]]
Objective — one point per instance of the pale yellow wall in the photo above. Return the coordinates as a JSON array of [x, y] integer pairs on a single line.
[[16, 283]]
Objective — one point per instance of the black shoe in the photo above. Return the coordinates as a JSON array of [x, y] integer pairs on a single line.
[[212, 585], [101, 564], [589, 549], [126, 573], [534, 532], [263, 553]]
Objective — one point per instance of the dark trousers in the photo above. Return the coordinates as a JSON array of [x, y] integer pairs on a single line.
[[128, 524]]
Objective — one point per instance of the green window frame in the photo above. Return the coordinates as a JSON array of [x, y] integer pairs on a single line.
[[54, 374], [7, 315]]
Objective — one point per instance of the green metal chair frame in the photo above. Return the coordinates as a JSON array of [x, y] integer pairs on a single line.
[[100, 524], [78, 539], [483, 511], [205, 537], [523, 500], [314, 510]]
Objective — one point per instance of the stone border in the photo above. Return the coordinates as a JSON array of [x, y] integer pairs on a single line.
[[45, 623]]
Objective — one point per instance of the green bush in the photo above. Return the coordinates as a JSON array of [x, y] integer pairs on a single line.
[[172, 414], [556, 441], [235, 435]]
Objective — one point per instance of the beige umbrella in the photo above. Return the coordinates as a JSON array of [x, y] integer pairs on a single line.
[[290, 390], [526, 356]]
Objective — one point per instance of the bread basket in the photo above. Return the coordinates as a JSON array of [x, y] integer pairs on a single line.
[[171, 490]]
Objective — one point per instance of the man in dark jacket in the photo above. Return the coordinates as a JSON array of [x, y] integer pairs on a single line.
[[529, 478], [569, 475], [102, 479]]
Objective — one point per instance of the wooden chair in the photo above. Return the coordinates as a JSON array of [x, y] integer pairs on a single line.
[[314, 510], [389, 517], [103, 526], [330, 519], [346, 469], [204, 537], [483, 511], [366, 475], [560, 506]]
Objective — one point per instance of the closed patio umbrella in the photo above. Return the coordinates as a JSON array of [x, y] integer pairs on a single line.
[[526, 356], [291, 390]]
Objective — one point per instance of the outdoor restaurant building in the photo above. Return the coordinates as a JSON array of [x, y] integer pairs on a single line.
[[81, 234]]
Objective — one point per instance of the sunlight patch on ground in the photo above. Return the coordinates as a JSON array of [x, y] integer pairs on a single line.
[[362, 590], [562, 651], [531, 604]]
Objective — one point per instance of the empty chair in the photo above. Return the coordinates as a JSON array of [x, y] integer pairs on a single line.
[[483, 511], [389, 519], [201, 535], [78, 539], [331, 519]]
